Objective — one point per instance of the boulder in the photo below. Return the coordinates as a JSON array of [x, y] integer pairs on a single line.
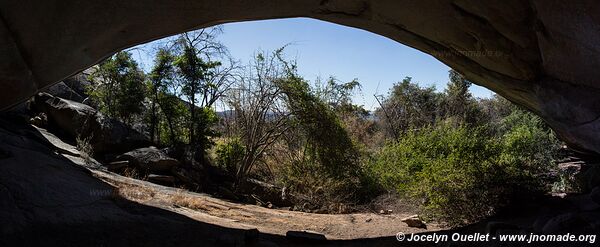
[[267, 193], [161, 179], [305, 236], [41, 120], [117, 165], [414, 221], [564, 223], [104, 134], [595, 195], [80, 82], [149, 159], [50, 199], [63, 91]]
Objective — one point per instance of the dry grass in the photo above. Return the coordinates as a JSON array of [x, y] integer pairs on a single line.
[[179, 199], [182, 200], [85, 148], [135, 193]]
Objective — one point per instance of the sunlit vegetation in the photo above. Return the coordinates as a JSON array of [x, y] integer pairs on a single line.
[[458, 157]]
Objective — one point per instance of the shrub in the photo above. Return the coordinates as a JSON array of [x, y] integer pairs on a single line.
[[230, 155], [85, 148], [462, 174], [327, 141], [529, 147], [443, 167]]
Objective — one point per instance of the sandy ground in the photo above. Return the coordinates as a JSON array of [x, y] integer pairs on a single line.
[[208, 209], [204, 208]]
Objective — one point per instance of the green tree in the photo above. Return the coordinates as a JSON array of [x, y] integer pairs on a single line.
[[175, 114], [161, 77], [203, 79], [458, 103], [408, 107], [119, 87], [328, 142], [193, 70], [337, 95], [260, 115]]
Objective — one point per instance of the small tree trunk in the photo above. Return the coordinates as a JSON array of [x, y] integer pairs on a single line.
[[171, 130], [153, 122]]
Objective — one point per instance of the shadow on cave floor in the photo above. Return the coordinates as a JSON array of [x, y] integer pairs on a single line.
[[47, 199]]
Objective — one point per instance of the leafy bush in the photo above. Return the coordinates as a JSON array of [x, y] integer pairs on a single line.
[[206, 118], [327, 140], [230, 155], [529, 145], [463, 174]]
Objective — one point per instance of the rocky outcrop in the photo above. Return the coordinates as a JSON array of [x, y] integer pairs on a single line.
[[104, 134], [48, 198], [63, 91], [149, 159], [264, 194], [541, 54], [74, 88], [161, 179], [414, 221]]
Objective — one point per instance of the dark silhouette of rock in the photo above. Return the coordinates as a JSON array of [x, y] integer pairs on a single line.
[[104, 134], [117, 165], [63, 91], [50, 199], [161, 179], [40, 120], [80, 82], [566, 223], [595, 195], [149, 159], [306, 236], [541, 54]]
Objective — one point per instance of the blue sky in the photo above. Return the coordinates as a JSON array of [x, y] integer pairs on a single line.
[[324, 49]]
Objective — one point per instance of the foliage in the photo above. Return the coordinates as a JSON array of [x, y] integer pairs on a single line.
[[230, 154], [161, 78], [462, 158], [260, 116], [327, 140], [175, 113], [85, 148], [528, 142], [206, 118], [463, 174], [337, 95], [119, 87], [193, 71], [458, 104], [408, 107]]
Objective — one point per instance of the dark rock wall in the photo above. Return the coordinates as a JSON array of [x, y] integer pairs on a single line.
[[541, 54]]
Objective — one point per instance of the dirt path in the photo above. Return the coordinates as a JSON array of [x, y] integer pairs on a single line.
[[208, 209], [215, 211]]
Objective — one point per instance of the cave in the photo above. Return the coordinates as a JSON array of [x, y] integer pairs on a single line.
[[542, 55]]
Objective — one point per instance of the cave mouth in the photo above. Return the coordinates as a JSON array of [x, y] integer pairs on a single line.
[[436, 154], [449, 157]]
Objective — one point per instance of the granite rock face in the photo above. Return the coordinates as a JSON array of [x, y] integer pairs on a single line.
[[541, 54], [150, 159], [104, 134], [49, 198]]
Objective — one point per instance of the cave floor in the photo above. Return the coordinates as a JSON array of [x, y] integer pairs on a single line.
[[205, 208]]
